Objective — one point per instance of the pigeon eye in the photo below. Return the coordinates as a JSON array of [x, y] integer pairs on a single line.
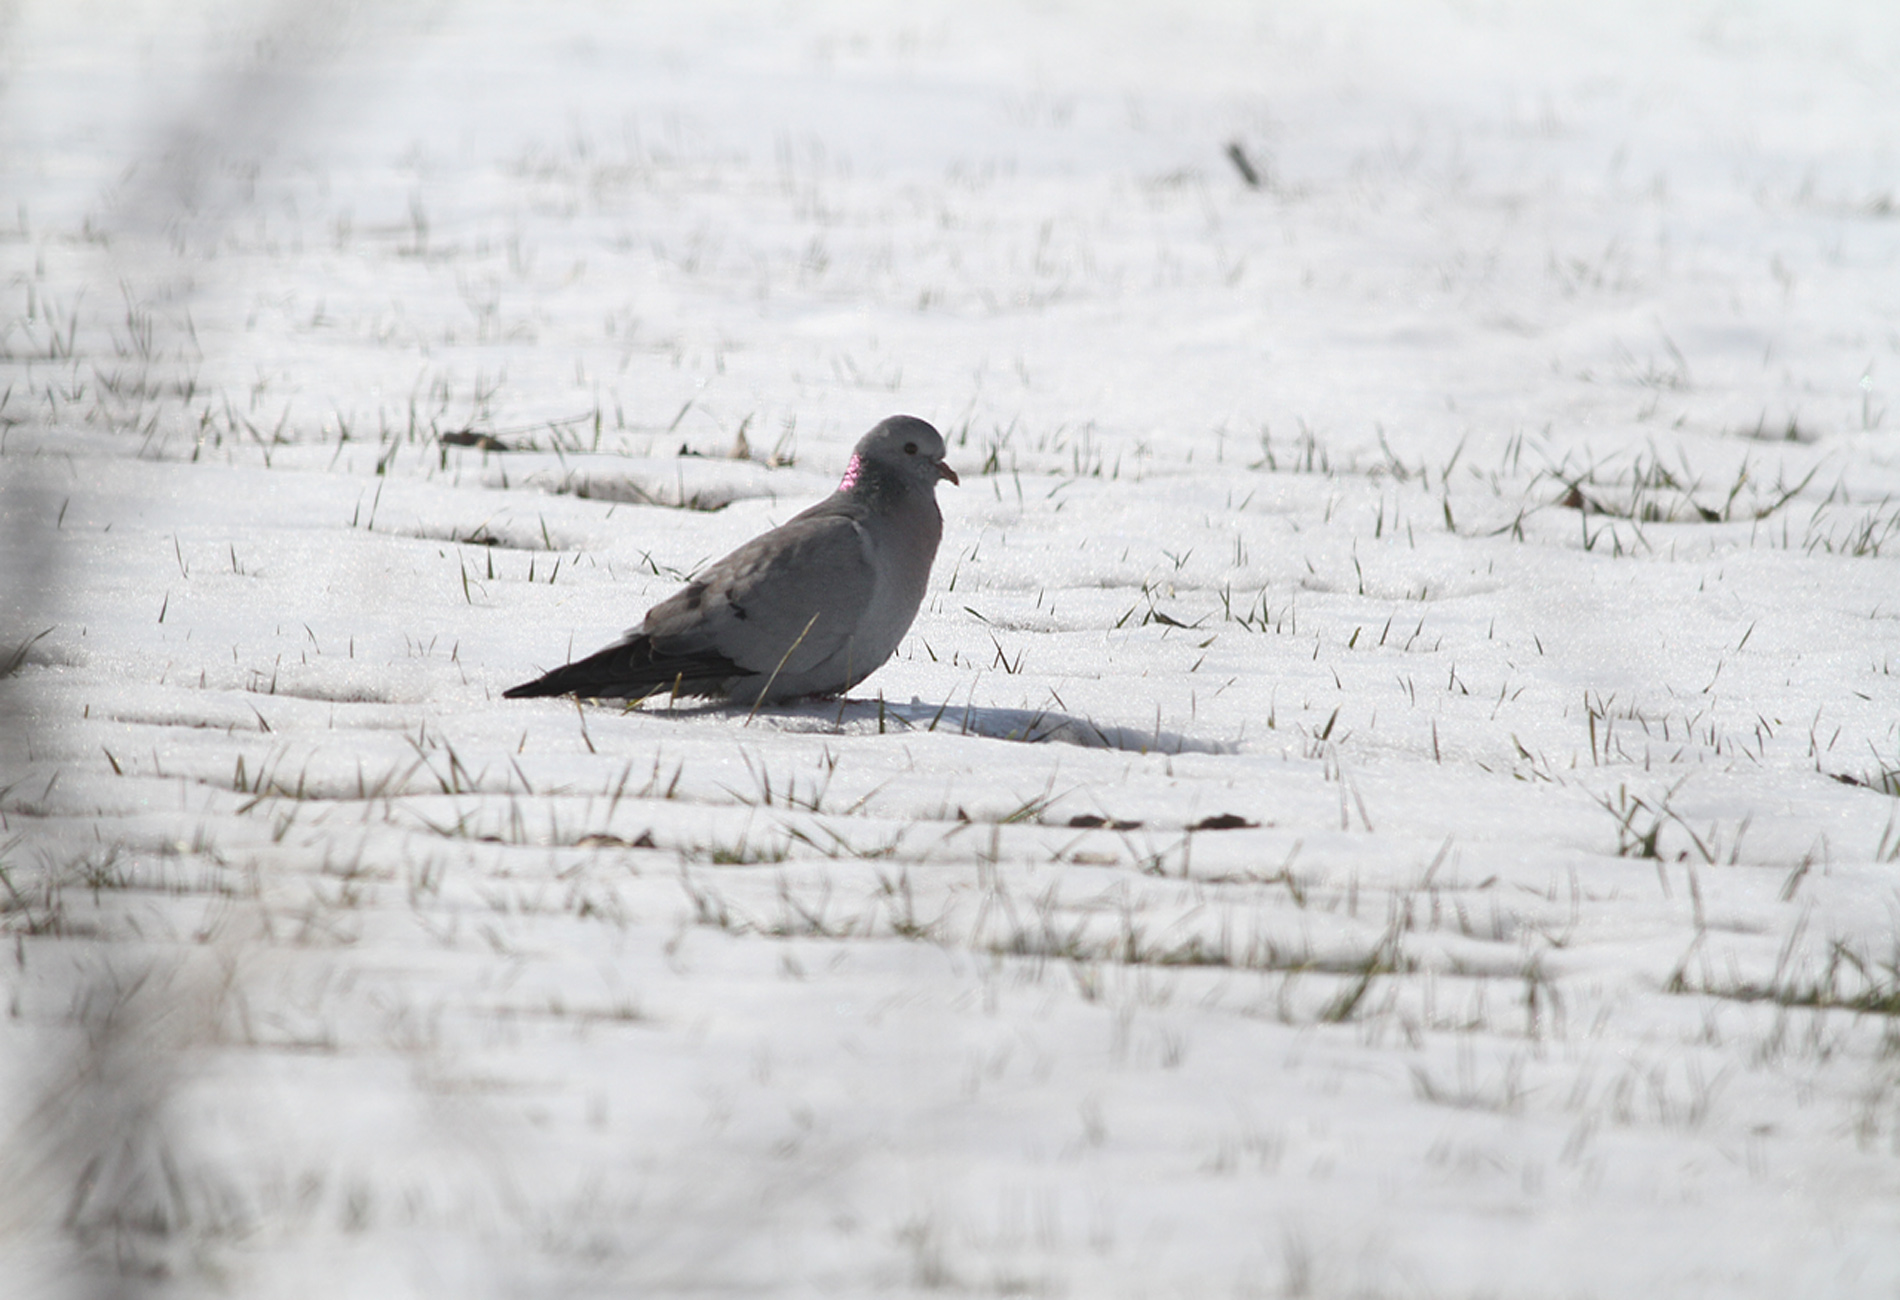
[[910, 449]]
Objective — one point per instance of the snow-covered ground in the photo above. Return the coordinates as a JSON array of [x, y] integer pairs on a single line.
[[1392, 792]]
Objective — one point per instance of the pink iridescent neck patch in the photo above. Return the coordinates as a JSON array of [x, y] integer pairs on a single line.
[[850, 479]]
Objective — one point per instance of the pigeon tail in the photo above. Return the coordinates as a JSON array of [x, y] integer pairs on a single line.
[[631, 670]]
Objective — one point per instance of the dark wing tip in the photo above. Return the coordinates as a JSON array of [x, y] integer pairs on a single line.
[[631, 670]]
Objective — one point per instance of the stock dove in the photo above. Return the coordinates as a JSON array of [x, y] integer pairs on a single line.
[[812, 607]]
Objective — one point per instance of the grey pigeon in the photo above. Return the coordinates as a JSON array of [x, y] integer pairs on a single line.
[[811, 608]]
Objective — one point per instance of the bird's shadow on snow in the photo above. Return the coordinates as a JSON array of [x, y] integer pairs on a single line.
[[1025, 726]]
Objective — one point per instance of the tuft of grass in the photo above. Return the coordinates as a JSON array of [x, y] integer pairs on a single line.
[[1468, 1090], [1864, 536], [1649, 491], [1847, 980], [1788, 430], [901, 909], [1640, 823], [1306, 455], [742, 852], [625, 491], [1257, 615], [11, 661], [1384, 959], [1883, 777]]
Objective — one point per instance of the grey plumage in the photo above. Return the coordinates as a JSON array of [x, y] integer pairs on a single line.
[[812, 607]]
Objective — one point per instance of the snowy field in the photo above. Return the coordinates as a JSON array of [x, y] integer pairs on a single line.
[[1394, 791]]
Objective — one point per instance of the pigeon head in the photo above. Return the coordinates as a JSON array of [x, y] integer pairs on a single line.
[[903, 448]]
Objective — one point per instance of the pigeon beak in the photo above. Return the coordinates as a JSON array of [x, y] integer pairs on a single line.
[[944, 471]]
